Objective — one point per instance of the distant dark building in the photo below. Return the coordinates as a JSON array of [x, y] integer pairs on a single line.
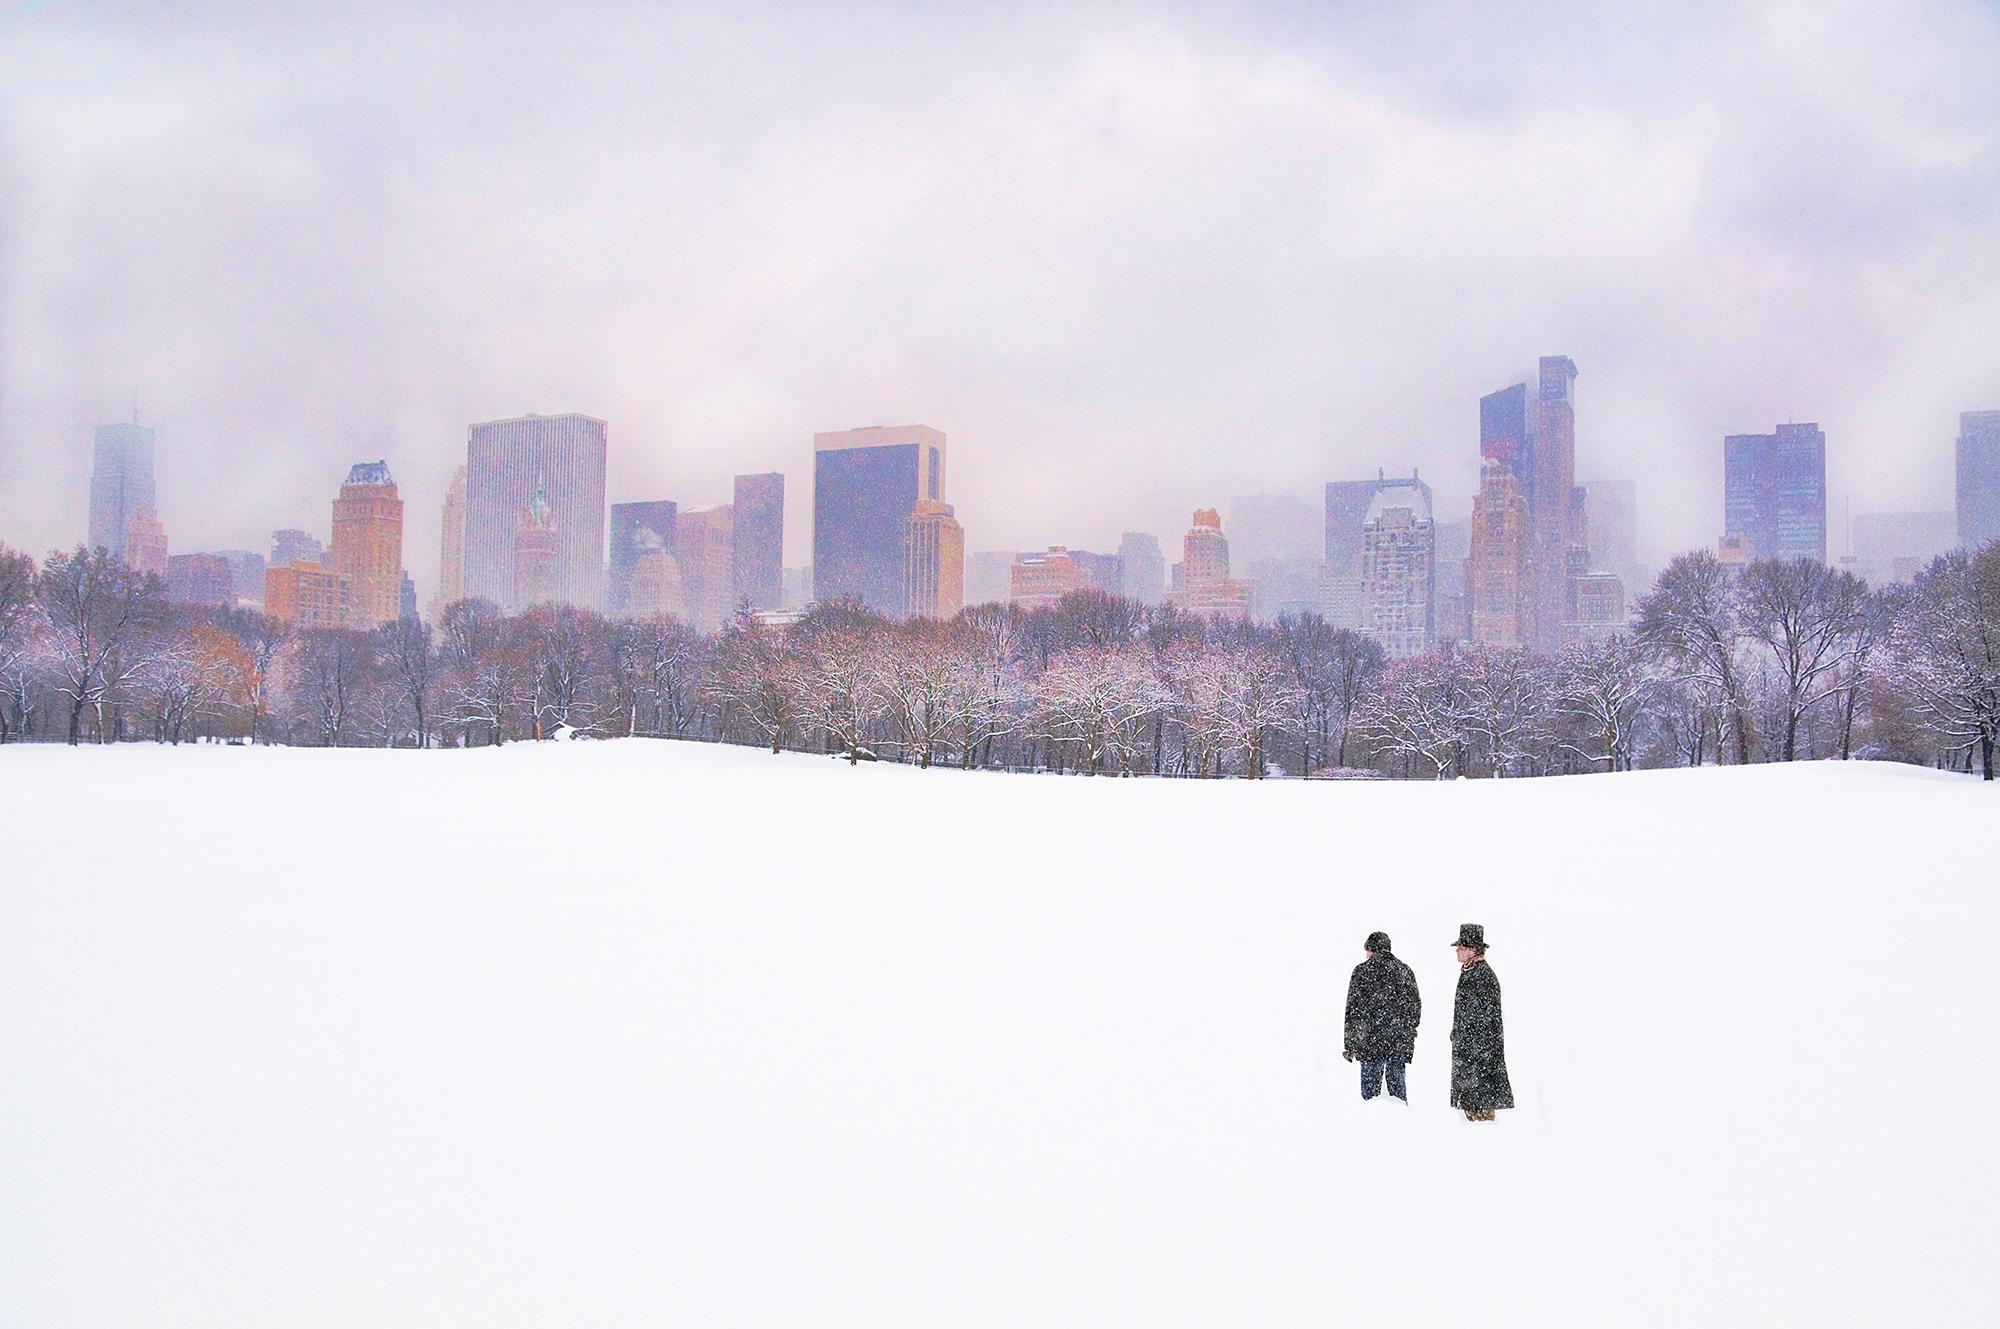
[[121, 484], [289, 547], [201, 579], [757, 541], [246, 572], [407, 599], [1978, 478], [1347, 503], [636, 529], [1142, 568], [1774, 492], [1533, 436], [866, 485]]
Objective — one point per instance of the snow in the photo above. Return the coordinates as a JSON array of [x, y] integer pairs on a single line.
[[641, 1033]]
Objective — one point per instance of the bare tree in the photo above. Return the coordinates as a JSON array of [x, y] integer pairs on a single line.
[[842, 644], [485, 679], [989, 694], [1503, 709], [1417, 713], [18, 639], [919, 681], [1947, 648], [100, 615], [333, 666], [262, 640], [1093, 700], [757, 682], [411, 666], [1691, 622], [566, 650], [1865, 649], [1602, 688], [1260, 704], [1806, 614], [670, 661]]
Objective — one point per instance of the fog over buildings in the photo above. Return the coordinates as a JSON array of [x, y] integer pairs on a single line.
[[1135, 260]]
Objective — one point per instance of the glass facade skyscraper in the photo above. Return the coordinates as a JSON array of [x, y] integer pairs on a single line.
[[1978, 478], [121, 483], [757, 554], [636, 530], [506, 463], [866, 485], [1774, 492]]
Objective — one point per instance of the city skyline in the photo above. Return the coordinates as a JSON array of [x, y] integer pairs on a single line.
[[1729, 216]]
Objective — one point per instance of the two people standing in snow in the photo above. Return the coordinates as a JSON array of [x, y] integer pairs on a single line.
[[1384, 1009]]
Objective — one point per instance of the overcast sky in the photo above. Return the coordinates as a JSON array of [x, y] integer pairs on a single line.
[[1132, 259]]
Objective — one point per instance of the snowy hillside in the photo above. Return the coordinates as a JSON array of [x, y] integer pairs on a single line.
[[654, 1034]]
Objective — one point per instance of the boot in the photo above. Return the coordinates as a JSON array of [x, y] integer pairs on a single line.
[[1479, 1114]]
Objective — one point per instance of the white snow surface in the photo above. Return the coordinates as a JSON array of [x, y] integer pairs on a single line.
[[644, 1033]]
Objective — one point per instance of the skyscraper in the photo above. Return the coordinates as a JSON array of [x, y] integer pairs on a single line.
[[636, 530], [507, 461], [451, 544], [290, 546], [1142, 568], [704, 545], [1398, 577], [146, 542], [1978, 478], [200, 579], [121, 483], [1611, 526], [368, 544], [537, 575], [934, 562], [1347, 503], [757, 563], [1201, 581], [1534, 438], [1499, 570], [1774, 492], [866, 484]]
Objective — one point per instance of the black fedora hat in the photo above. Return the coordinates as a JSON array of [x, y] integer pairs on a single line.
[[1473, 935]]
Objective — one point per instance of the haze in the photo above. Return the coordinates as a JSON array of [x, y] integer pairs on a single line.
[[1132, 259]]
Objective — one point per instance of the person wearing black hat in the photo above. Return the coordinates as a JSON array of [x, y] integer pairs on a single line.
[[1479, 1081], [1382, 1013]]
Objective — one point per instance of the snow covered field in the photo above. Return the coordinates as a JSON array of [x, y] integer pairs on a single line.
[[656, 1034]]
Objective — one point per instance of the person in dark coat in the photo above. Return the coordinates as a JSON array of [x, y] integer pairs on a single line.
[[1479, 1081], [1382, 1013]]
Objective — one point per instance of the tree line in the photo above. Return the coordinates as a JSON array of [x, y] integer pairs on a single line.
[[1776, 661]]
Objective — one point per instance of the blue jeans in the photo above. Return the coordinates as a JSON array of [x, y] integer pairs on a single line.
[[1371, 1079]]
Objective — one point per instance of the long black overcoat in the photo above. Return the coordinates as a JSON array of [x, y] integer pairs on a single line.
[[1478, 1044], [1383, 1009]]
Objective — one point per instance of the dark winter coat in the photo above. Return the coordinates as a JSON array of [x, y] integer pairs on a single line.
[[1382, 1010], [1478, 1045]]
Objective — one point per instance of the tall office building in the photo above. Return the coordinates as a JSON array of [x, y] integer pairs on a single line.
[[637, 529], [704, 545], [1039, 580], [246, 573], [1611, 526], [537, 554], [1774, 492], [121, 483], [1201, 580], [1978, 478], [934, 562], [757, 561], [1499, 581], [368, 544], [989, 576], [506, 462], [451, 544], [306, 595], [290, 546], [866, 484], [1533, 436], [1347, 504], [146, 542], [1142, 568], [200, 579], [1398, 570]]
